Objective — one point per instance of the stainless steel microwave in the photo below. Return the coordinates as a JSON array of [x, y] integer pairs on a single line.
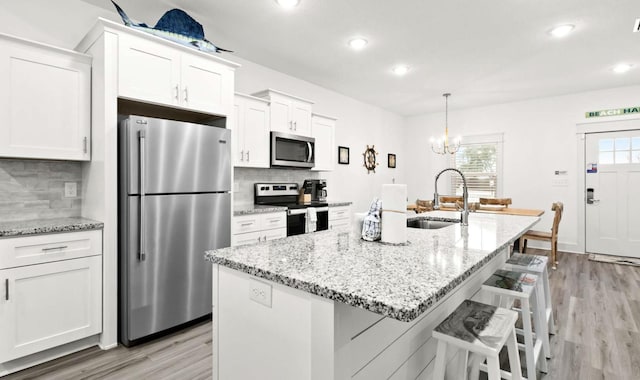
[[292, 150]]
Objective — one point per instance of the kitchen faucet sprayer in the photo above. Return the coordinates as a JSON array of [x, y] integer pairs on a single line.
[[464, 216]]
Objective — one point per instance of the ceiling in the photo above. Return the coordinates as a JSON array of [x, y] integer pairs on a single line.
[[483, 52]]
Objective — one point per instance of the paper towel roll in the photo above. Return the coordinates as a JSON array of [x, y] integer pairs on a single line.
[[394, 198], [394, 227]]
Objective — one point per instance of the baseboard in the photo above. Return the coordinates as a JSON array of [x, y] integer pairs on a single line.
[[47, 355], [562, 247]]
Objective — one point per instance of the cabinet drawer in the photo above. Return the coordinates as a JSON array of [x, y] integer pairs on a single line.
[[246, 223], [246, 238], [29, 250], [343, 212], [340, 225], [276, 220]]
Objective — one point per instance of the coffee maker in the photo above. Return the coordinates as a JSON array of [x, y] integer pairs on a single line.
[[317, 188]]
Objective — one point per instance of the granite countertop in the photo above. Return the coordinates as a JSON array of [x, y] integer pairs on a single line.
[[249, 209], [256, 209], [46, 226], [397, 281]]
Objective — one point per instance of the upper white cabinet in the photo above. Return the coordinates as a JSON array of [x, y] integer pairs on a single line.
[[250, 132], [323, 130], [289, 114], [156, 73], [45, 101]]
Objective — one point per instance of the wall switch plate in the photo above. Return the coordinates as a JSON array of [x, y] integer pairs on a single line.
[[70, 189], [260, 292]]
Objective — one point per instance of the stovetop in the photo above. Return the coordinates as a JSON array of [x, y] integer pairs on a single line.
[[292, 206], [282, 194]]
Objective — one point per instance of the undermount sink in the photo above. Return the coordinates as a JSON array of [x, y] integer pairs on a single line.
[[426, 224]]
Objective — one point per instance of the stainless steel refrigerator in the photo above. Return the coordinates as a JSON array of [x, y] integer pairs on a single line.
[[174, 203]]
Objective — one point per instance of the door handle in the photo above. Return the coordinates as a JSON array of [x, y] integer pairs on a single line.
[[295, 125], [248, 160], [242, 155], [6, 289], [141, 243], [310, 151], [177, 92], [186, 94]]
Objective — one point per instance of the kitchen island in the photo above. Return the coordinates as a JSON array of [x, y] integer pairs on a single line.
[[331, 306]]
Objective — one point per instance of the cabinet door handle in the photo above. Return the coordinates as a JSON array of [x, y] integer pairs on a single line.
[[246, 224], [177, 94], [248, 156], [242, 155], [84, 145], [186, 94], [295, 125], [291, 125], [54, 248], [6, 289]]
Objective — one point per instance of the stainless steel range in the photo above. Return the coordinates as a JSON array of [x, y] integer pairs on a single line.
[[286, 195]]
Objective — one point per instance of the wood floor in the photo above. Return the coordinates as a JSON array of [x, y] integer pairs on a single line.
[[597, 313]]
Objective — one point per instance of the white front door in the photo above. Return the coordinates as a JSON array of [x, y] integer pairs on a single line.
[[612, 185]]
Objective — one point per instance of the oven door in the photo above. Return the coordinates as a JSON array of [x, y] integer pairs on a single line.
[[297, 220], [292, 151]]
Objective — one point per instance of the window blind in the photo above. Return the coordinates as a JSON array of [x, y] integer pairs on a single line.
[[479, 163]]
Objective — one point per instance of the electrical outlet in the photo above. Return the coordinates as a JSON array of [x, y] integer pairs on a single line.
[[260, 292], [70, 189]]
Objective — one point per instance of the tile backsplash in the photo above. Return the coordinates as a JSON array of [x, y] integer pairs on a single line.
[[34, 189], [244, 178]]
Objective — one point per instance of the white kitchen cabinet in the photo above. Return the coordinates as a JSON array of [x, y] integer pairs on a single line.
[[156, 73], [255, 228], [50, 303], [45, 101], [340, 218], [251, 132], [323, 130], [289, 114]]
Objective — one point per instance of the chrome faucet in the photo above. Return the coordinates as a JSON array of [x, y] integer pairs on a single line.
[[464, 216]]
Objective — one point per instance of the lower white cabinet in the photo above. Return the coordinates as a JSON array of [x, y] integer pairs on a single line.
[[255, 228], [340, 218], [52, 303]]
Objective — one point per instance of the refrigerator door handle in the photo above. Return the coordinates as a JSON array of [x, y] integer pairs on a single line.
[[141, 253]]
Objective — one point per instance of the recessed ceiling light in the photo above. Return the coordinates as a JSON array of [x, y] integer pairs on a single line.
[[621, 68], [400, 70], [358, 43], [288, 3], [562, 30]]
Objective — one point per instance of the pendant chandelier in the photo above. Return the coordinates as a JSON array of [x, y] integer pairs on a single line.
[[442, 145]]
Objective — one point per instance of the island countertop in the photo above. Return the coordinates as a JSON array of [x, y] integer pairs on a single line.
[[397, 281]]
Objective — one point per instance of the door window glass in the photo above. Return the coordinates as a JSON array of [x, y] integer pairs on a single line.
[[622, 150]]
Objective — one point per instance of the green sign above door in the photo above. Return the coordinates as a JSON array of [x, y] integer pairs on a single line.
[[613, 112]]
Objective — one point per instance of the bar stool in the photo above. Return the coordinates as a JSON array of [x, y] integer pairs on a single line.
[[507, 286], [537, 265], [481, 330]]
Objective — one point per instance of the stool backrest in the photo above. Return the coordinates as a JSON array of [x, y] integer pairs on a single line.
[[558, 207]]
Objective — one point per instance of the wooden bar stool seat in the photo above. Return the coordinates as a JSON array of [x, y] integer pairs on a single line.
[[551, 237], [508, 286], [480, 330]]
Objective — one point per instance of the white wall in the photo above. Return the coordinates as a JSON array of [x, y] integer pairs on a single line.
[[539, 138]]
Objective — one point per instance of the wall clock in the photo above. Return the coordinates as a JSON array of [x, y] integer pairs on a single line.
[[370, 159]]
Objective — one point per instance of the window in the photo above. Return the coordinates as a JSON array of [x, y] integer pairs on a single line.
[[480, 159], [622, 150]]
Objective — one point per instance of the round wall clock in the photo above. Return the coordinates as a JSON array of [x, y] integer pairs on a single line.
[[370, 159]]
